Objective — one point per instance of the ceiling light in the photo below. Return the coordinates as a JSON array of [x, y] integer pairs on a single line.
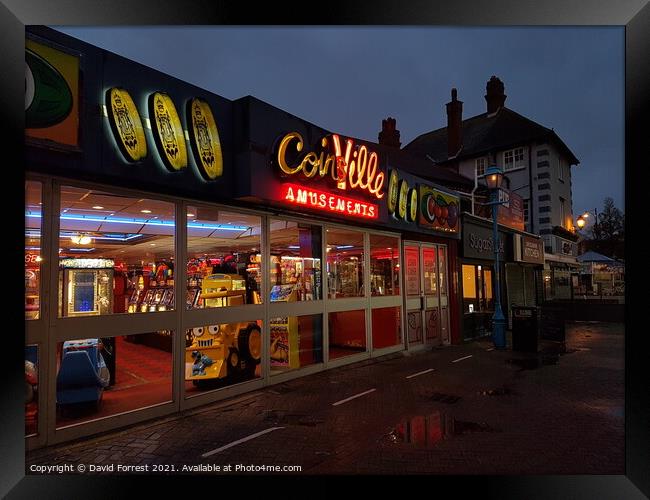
[[190, 215], [98, 207], [145, 211]]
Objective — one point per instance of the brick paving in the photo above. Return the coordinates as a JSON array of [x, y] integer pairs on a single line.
[[497, 412]]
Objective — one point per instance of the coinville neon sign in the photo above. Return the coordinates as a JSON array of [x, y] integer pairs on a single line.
[[351, 167], [312, 198]]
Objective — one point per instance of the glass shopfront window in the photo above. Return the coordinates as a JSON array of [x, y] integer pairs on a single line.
[[345, 257], [296, 342], [347, 333], [386, 327], [220, 355], [99, 377], [224, 259], [31, 390], [116, 253], [384, 265], [295, 266], [477, 288], [33, 258]]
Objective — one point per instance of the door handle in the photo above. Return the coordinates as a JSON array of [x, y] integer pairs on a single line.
[[422, 302]]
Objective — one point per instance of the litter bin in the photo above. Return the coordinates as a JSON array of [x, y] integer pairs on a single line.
[[525, 328]]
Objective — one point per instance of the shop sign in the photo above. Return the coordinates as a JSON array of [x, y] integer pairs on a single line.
[[51, 94], [402, 200], [167, 131], [411, 255], [532, 250], [439, 210], [478, 242], [353, 168], [126, 124], [205, 139], [32, 260], [509, 215], [328, 202], [87, 263]]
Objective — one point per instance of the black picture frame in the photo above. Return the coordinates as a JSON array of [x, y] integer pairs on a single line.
[[634, 15]]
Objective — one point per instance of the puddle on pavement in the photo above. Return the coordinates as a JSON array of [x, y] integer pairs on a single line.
[[426, 431]]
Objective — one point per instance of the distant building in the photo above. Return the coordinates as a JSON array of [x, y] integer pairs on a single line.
[[537, 164]]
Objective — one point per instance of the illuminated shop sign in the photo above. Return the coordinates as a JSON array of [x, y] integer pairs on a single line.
[[167, 131], [126, 124], [439, 210], [87, 263], [51, 94], [205, 139], [348, 167], [328, 202], [402, 200]]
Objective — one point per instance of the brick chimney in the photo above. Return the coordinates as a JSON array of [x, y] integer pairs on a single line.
[[495, 97], [389, 135], [454, 124]]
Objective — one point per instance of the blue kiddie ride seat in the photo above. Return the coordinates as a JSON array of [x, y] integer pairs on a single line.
[[83, 373]]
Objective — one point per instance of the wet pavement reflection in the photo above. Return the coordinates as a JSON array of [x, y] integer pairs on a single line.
[[426, 431]]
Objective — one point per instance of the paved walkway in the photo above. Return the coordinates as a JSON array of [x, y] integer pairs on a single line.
[[455, 410]]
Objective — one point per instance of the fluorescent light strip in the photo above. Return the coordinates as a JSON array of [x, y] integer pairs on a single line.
[[147, 222], [37, 234]]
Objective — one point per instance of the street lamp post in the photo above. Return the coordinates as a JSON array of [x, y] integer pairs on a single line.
[[494, 178]]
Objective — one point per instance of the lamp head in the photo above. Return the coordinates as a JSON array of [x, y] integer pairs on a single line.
[[494, 177], [581, 221]]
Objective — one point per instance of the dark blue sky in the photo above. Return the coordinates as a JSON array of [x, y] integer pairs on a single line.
[[349, 79]]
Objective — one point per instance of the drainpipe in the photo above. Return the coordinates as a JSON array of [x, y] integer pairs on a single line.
[[475, 188]]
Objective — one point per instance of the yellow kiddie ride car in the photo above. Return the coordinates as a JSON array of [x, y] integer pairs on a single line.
[[229, 352]]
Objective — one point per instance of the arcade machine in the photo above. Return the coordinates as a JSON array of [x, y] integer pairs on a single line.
[[137, 295], [159, 297], [32, 278], [87, 286], [221, 290]]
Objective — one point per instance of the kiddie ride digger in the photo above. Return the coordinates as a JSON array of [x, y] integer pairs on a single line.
[[226, 353]]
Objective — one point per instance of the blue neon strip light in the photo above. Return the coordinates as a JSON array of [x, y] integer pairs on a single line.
[[142, 222]]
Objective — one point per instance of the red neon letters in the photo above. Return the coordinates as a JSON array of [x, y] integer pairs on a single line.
[[328, 202]]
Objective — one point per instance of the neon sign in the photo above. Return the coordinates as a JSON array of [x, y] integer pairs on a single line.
[[320, 200], [350, 167]]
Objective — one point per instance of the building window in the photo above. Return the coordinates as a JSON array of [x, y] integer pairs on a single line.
[[477, 289], [542, 164], [543, 175], [481, 164], [514, 159], [224, 259], [384, 265], [544, 220], [116, 253], [545, 197], [562, 213], [33, 217], [560, 169], [295, 342], [544, 209], [541, 187], [345, 258], [542, 152], [295, 265]]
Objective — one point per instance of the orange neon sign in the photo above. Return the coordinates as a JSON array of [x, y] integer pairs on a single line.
[[355, 168], [329, 202]]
